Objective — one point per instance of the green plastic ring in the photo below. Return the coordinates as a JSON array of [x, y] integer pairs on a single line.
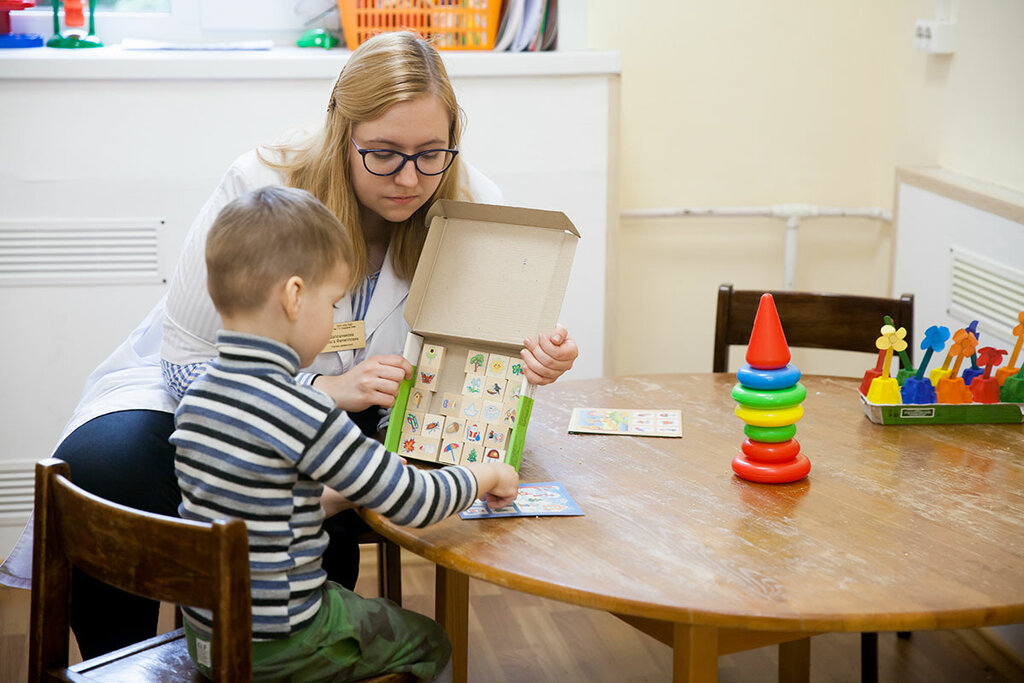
[[770, 434], [763, 398]]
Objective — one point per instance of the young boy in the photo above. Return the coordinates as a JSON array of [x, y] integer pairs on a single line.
[[254, 443]]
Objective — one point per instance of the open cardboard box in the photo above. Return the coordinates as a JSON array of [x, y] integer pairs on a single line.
[[488, 277]]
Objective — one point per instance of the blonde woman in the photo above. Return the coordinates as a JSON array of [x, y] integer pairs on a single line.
[[388, 148]]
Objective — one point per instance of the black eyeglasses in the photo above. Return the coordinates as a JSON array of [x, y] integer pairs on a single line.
[[385, 162]]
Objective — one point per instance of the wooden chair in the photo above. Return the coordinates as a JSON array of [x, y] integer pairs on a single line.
[[840, 322], [168, 559]]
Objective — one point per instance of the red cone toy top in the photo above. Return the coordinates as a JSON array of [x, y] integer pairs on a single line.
[[767, 349]]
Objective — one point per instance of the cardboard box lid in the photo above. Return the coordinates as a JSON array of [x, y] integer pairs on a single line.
[[496, 274]]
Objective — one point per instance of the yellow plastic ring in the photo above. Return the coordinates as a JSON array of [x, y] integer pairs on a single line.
[[770, 418]]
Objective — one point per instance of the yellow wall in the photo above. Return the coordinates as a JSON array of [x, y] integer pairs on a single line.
[[746, 102]]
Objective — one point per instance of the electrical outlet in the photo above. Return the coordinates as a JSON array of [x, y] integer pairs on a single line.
[[935, 37]]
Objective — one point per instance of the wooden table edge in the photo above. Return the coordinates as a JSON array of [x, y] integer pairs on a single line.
[[881, 622]]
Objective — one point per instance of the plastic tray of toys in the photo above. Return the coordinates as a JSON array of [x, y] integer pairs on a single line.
[[943, 413], [944, 396]]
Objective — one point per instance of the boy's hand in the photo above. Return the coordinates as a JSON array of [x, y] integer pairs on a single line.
[[497, 485], [549, 356], [374, 382]]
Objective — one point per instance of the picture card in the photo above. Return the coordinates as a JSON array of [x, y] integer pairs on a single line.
[[668, 423], [413, 423], [476, 362], [432, 356], [542, 499]]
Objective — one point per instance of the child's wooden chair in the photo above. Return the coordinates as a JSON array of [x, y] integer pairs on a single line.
[[167, 559], [840, 322]]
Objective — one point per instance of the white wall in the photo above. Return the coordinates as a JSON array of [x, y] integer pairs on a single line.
[[756, 103]]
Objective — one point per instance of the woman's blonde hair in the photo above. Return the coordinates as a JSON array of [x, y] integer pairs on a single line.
[[385, 70], [262, 238]]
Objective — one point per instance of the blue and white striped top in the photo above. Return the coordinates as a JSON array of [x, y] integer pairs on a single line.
[[254, 443]]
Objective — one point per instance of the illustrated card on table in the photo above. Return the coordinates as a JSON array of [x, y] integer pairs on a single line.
[[543, 499], [625, 421]]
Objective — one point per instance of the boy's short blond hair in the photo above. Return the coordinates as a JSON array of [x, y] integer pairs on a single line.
[[266, 236]]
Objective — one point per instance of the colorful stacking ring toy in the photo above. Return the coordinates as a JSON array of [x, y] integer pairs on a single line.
[[769, 400]]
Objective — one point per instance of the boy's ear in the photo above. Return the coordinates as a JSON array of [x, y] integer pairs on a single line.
[[292, 293]]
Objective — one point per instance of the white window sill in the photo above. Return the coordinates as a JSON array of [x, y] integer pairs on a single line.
[[114, 63]]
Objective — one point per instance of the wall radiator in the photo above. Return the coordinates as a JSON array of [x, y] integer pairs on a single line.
[[76, 251], [985, 290]]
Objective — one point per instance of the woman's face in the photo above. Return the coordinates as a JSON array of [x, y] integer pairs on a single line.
[[407, 127]]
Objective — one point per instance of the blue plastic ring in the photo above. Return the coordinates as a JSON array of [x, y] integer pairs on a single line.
[[782, 378]]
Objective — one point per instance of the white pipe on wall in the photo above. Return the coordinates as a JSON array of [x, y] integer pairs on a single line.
[[793, 213]]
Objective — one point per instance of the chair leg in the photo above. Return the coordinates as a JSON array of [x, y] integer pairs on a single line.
[[869, 657], [389, 571]]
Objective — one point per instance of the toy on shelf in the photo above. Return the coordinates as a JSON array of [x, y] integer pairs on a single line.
[[14, 40], [886, 389], [919, 389], [1011, 368], [975, 370], [954, 389], [73, 18], [769, 397], [317, 37]]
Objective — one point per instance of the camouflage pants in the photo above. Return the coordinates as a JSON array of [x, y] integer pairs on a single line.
[[350, 638]]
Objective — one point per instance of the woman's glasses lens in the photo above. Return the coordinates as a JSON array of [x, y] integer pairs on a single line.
[[387, 162]]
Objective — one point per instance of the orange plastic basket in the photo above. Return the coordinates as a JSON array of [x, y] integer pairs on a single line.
[[447, 24]]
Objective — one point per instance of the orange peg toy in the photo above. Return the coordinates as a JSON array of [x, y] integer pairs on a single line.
[[952, 389]]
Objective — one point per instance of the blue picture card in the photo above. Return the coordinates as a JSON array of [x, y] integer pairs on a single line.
[[543, 499]]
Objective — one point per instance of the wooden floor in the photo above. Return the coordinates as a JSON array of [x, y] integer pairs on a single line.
[[517, 638]]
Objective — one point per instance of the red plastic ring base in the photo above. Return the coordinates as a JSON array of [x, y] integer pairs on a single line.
[[771, 473], [761, 452]]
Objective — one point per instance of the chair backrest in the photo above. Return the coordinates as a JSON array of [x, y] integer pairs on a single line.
[[840, 322], [163, 558]]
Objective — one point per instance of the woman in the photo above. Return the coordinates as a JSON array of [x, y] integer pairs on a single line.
[[388, 149]]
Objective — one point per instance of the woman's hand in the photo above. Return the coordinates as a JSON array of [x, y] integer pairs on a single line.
[[549, 356], [374, 382]]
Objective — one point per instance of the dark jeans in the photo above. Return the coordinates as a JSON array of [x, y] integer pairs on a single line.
[[126, 457]]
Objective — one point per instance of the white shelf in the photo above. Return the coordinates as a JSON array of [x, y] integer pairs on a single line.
[[114, 63]]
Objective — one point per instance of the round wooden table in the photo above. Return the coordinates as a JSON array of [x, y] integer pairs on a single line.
[[896, 528]]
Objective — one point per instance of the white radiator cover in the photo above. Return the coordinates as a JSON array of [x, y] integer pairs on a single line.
[[17, 486], [985, 290], [80, 251]]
